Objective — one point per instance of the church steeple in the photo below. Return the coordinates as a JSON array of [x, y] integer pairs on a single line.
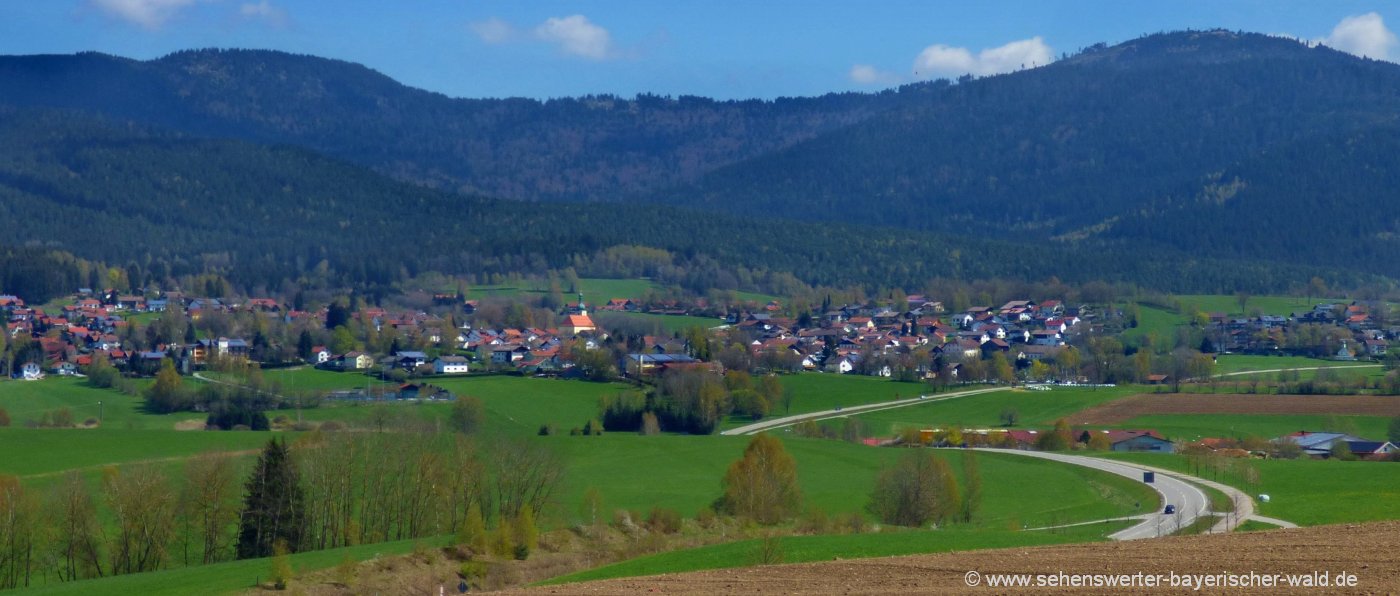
[[582, 309]]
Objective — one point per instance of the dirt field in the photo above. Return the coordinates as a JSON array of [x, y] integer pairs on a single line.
[[1175, 403], [1371, 552]]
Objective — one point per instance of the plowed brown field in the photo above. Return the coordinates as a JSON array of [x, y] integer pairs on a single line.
[[1176, 403], [1371, 552]]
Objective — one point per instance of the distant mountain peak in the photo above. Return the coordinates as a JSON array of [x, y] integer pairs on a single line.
[[1213, 46]]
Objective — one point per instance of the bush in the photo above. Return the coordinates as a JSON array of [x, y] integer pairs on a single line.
[[919, 489], [705, 517], [593, 428], [281, 566], [762, 485], [650, 425], [547, 430], [4, 418], [664, 521]]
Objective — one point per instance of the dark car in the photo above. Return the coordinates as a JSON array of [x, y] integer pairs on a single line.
[[1170, 509]]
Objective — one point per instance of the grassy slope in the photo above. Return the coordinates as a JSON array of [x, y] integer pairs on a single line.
[[683, 473], [28, 400], [1228, 363], [1313, 492], [1269, 305], [800, 549], [223, 578], [1156, 322], [1036, 408], [42, 451], [1189, 427]]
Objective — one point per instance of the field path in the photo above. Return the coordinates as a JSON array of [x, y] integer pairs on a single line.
[[153, 460], [776, 423], [1274, 370]]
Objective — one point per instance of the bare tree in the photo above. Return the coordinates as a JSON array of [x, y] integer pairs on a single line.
[[522, 474], [143, 509], [209, 506], [72, 514]]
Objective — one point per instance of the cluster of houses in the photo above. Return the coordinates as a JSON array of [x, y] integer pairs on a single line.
[[1365, 323], [837, 340], [841, 338], [93, 326]]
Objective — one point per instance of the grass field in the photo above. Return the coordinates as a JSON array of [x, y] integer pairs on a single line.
[[665, 325], [28, 400], [1230, 363], [815, 392], [1312, 492], [801, 549], [30, 452], [1269, 305], [1156, 322], [224, 578], [684, 472], [306, 378], [1036, 408]]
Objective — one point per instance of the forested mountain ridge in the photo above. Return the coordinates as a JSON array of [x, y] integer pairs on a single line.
[[1069, 145], [1192, 160], [165, 205], [597, 147]]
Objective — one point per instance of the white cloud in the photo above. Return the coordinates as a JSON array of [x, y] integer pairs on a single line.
[[1363, 35], [492, 30], [865, 74], [940, 60], [264, 11], [151, 14], [577, 35]]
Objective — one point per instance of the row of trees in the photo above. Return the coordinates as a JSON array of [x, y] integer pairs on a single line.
[[694, 401], [322, 491]]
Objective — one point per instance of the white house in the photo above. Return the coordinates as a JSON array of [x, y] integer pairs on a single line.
[[450, 365], [30, 371], [320, 355]]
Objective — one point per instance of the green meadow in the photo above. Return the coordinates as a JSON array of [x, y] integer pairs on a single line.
[[1233, 363], [225, 578], [1308, 491], [29, 400], [1191, 427], [30, 452], [1269, 305]]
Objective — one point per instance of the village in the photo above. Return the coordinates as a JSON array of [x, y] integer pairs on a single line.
[[1020, 341]]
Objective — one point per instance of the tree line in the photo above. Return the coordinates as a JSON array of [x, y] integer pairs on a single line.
[[320, 491]]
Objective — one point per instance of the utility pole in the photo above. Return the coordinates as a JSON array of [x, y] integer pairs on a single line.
[[99, 412]]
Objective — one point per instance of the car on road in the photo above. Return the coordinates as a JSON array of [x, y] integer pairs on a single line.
[[1169, 510]]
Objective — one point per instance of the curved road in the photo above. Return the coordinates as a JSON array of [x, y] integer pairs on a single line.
[[1190, 501], [776, 423]]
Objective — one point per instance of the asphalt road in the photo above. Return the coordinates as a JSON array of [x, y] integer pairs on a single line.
[[1190, 501], [776, 423]]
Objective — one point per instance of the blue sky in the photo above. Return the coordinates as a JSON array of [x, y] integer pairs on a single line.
[[718, 48]]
